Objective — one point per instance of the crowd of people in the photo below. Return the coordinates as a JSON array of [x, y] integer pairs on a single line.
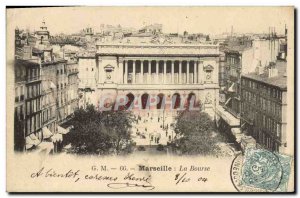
[[153, 128]]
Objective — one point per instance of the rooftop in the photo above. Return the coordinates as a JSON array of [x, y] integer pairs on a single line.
[[279, 81], [28, 62], [237, 48]]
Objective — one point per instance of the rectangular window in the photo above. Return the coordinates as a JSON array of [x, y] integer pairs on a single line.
[[278, 130], [16, 94], [32, 123], [28, 126], [22, 92], [37, 124], [28, 92], [280, 95], [28, 110]]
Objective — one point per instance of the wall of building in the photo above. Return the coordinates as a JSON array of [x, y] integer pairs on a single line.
[[73, 82], [49, 73], [264, 113], [87, 71]]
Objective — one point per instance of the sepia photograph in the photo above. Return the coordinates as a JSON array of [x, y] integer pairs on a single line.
[[150, 99]]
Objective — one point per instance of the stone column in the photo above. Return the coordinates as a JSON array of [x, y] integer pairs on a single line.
[[142, 71], [157, 64], [126, 72], [149, 72], [165, 72], [195, 73], [188, 72], [199, 72], [180, 71], [172, 69], [133, 72], [120, 70]]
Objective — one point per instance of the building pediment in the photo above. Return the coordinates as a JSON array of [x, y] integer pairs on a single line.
[[109, 67], [208, 68]]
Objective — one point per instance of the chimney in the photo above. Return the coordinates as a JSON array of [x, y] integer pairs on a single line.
[[272, 70], [259, 68]]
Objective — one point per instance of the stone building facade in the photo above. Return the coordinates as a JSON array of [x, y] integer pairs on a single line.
[[28, 104], [242, 57], [45, 92], [264, 107], [73, 82], [142, 71]]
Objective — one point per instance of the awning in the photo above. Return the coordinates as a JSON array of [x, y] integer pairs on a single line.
[[57, 138], [34, 139], [232, 88], [31, 141], [62, 130], [46, 133]]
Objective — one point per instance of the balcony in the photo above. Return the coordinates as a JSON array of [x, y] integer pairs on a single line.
[[33, 79]]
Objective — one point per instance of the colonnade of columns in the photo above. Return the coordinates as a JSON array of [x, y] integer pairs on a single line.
[[161, 72]]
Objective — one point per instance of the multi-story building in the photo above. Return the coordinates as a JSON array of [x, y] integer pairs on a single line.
[[32, 101], [222, 77], [139, 71], [87, 69], [62, 88], [49, 99], [45, 92], [243, 55], [264, 106], [19, 114], [73, 85]]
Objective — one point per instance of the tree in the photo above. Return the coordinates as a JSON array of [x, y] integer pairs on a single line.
[[100, 133], [195, 133]]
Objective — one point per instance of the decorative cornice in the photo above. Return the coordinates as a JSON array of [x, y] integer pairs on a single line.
[[158, 50]]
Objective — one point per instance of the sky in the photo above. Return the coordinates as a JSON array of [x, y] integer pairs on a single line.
[[208, 20]]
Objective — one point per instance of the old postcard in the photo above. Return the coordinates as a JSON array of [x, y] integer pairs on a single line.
[[150, 99]]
